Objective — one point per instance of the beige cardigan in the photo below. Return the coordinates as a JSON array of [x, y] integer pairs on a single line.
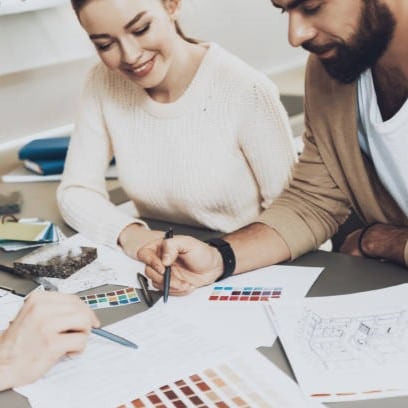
[[332, 175]]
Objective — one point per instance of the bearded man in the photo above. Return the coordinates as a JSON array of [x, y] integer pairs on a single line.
[[355, 155]]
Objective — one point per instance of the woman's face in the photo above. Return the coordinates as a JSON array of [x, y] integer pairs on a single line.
[[134, 37]]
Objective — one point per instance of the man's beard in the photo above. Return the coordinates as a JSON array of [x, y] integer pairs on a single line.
[[368, 44]]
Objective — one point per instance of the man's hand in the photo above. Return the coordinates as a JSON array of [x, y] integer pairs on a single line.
[[379, 241], [48, 327], [350, 244], [193, 263]]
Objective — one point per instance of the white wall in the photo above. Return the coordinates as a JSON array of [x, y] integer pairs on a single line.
[[44, 56], [252, 29]]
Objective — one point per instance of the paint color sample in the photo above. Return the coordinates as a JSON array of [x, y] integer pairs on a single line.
[[219, 387], [121, 297], [246, 294]]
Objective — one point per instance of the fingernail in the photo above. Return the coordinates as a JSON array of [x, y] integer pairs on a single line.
[[166, 259]]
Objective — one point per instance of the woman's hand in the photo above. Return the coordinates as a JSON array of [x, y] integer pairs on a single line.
[[134, 236]]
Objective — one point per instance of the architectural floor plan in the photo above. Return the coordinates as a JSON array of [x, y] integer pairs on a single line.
[[349, 342]]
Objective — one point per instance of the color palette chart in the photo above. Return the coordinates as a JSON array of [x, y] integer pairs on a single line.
[[236, 383], [113, 298], [244, 294]]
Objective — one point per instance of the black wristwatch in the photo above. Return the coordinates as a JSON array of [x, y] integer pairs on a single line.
[[227, 254]]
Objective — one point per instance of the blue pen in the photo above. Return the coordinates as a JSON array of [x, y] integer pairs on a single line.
[[114, 337]]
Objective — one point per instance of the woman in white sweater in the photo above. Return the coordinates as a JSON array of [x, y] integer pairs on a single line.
[[199, 137]]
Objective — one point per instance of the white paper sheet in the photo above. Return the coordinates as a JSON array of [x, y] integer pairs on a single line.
[[10, 304], [348, 347], [244, 324], [108, 374]]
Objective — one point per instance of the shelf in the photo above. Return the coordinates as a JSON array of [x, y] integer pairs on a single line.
[[41, 38], [22, 6]]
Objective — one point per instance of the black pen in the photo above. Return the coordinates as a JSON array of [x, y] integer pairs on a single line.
[[114, 337], [167, 271], [10, 270], [144, 284], [13, 291], [46, 285]]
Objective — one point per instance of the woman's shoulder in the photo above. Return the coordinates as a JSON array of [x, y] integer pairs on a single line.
[[102, 75], [103, 82], [234, 69]]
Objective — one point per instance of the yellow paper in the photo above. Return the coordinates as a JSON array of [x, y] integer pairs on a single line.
[[18, 231]]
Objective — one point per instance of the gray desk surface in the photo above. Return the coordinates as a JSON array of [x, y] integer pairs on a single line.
[[342, 274]]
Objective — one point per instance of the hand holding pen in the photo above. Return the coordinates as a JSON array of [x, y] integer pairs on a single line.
[[48, 326], [167, 271], [98, 331]]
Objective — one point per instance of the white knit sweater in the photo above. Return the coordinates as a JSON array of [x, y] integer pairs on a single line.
[[214, 158]]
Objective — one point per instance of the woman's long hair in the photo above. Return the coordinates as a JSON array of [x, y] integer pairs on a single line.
[[78, 4]]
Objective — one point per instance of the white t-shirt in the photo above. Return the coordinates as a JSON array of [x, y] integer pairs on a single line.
[[385, 143]]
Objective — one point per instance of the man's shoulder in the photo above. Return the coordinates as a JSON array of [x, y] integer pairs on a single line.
[[323, 91], [317, 78]]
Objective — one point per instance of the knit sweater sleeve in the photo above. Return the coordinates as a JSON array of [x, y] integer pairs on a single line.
[[82, 195], [266, 139]]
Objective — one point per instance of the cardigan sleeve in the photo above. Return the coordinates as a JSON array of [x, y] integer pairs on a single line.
[[313, 207]]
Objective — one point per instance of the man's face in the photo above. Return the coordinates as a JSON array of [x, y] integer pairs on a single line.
[[348, 36]]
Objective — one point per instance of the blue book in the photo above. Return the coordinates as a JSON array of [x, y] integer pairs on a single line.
[[50, 148], [45, 167]]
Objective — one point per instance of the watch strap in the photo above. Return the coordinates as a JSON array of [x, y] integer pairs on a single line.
[[227, 255]]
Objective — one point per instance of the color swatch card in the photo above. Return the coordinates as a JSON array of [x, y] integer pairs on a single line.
[[121, 297], [245, 294], [246, 382], [27, 233], [24, 231], [234, 308]]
